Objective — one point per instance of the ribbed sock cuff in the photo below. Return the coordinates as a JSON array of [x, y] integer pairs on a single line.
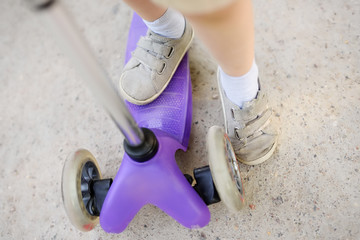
[[241, 89], [170, 25]]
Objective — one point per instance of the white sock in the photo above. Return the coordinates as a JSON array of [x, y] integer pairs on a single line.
[[241, 89], [170, 25]]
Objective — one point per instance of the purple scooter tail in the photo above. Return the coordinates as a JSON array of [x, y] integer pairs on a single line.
[[158, 182]]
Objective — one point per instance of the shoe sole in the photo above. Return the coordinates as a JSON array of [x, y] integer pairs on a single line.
[[262, 159]]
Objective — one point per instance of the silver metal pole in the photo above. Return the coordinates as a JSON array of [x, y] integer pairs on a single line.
[[65, 31]]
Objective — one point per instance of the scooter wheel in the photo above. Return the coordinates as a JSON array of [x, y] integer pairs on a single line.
[[225, 169], [80, 168]]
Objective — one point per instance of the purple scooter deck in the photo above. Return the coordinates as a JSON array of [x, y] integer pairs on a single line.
[[158, 181]]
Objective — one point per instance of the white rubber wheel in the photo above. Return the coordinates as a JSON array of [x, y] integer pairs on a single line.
[[225, 169], [79, 167]]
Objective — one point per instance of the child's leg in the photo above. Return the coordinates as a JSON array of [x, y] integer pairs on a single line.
[[146, 9], [163, 21], [229, 35]]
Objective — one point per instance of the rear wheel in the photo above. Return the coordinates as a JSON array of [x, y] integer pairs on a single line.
[[225, 169]]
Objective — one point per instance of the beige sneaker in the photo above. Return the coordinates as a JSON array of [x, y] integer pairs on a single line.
[[152, 66], [251, 132]]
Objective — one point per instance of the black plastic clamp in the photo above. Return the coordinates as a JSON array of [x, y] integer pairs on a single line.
[[145, 150]]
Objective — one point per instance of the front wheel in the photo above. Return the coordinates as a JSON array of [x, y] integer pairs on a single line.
[[80, 170], [225, 169]]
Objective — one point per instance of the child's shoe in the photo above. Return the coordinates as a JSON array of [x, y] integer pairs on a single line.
[[152, 66], [249, 128]]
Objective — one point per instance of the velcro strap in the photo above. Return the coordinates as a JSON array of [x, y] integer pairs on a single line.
[[160, 49], [148, 60], [255, 125], [251, 111]]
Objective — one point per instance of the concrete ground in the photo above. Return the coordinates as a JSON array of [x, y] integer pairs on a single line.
[[308, 53]]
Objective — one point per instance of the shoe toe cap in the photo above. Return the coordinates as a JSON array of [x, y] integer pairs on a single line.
[[136, 85]]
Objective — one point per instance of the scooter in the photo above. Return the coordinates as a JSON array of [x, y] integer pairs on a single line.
[[148, 173]]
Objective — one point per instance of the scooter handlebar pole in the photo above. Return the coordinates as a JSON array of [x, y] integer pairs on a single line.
[[59, 22]]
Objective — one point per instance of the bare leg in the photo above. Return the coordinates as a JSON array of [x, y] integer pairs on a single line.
[[146, 9], [229, 35]]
